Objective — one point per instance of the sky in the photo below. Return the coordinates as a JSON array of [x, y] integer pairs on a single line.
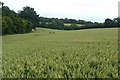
[[89, 10]]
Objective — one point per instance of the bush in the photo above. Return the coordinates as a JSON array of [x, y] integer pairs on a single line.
[[12, 23], [7, 24]]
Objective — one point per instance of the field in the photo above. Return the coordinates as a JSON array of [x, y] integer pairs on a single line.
[[48, 53], [68, 24]]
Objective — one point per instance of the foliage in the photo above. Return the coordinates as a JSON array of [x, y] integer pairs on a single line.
[[7, 24], [56, 24], [28, 19], [12, 23], [74, 24], [30, 15], [108, 23], [112, 23]]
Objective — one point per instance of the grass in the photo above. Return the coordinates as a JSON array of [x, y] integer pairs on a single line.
[[49, 53], [68, 24]]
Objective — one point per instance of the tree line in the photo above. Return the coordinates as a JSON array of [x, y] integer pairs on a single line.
[[27, 19], [108, 23], [18, 23]]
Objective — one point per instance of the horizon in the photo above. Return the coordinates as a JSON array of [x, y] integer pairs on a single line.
[[74, 9]]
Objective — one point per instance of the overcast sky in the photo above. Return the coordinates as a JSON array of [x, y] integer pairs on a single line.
[[89, 10]]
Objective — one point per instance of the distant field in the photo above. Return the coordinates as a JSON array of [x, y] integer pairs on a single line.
[[68, 24], [49, 53]]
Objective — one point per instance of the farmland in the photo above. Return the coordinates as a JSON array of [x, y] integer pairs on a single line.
[[68, 24], [48, 53]]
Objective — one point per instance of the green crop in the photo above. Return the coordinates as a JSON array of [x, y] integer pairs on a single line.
[[48, 53]]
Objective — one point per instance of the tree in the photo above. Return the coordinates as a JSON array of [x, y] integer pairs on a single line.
[[7, 12], [13, 23], [117, 22], [29, 26], [81, 22], [1, 3], [44, 24], [7, 24], [31, 15], [108, 23]]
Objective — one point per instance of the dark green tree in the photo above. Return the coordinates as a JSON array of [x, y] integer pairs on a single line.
[[12, 23], [1, 3], [31, 15], [7, 24], [108, 23], [117, 22]]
